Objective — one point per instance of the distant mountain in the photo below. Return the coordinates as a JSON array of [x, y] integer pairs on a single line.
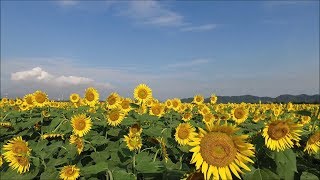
[[302, 98]]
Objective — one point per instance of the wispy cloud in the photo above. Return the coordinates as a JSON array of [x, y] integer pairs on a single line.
[[152, 12], [65, 3], [194, 62], [205, 27]]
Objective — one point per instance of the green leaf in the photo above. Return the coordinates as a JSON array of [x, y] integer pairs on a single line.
[[94, 169], [128, 121], [286, 163], [153, 131], [304, 113], [114, 131], [145, 164], [100, 156], [122, 175], [308, 176], [99, 140], [49, 173]]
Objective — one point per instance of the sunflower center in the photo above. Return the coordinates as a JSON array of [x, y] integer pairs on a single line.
[[40, 98], [74, 97], [238, 113], [90, 96], [70, 171], [175, 104], [112, 100], [20, 148], [142, 93], [278, 130], [156, 110], [80, 124], [183, 132], [125, 105], [198, 99], [217, 149], [23, 161], [114, 116], [314, 138], [208, 117]]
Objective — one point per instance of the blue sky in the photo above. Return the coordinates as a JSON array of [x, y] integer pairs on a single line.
[[178, 48]]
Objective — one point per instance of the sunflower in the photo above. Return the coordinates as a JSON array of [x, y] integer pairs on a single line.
[[281, 134], [78, 141], [162, 143], [133, 142], [4, 100], [186, 116], [6, 124], [184, 133], [12, 102], [29, 99], [142, 109], [219, 152], [135, 129], [305, 120], [208, 118], [74, 98], [142, 93], [70, 172], [1, 160], [91, 96], [113, 100], [157, 109], [16, 146], [239, 114], [52, 136], [176, 103], [203, 110], [168, 104], [313, 143], [81, 124], [125, 104], [115, 117], [40, 98], [18, 101], [21, 163], [213, 99], [45, 113], [198, 99]]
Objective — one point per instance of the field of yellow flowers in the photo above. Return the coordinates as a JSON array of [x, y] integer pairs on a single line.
[[143, 138]]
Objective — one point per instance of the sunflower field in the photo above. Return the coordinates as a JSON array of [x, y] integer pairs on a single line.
[[142, 138]]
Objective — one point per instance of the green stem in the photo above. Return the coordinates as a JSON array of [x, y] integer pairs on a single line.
[[155, 155], [110, 175], [134, 163], [90, 145], [5, 116], [63, 121]]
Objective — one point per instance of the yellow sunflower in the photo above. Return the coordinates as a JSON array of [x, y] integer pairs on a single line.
[[184, 133], [24, 106], [133, 142], [115, 116], [186, 116], [213, 99], [78, 141], [16, 147], [219, 152], [313, 143], [176, 104], [91, 96], [21, 163], [40, 98], [281, 134], [168, 104], [70, 172], [45, 113], [1, 160], [6, 124], [198, 99], [157, 109], [113, 100], [203, 110], [125, 104], [208, 118], [305, 120], [81, 124], [134, 130], [142, 109], [29, 99], [239, 114], [12, 102], [142, 93], [18, 101], [74, 97]]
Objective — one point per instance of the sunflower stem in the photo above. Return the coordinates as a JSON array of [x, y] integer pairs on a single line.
[[63, 121], [90, 145], [155, 155], [134, 163]]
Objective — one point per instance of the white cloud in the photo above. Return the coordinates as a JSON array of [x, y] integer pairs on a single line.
[[152, 12], [205, 27], [38, 75], [73, 80], [194, 62], [35, 73]]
